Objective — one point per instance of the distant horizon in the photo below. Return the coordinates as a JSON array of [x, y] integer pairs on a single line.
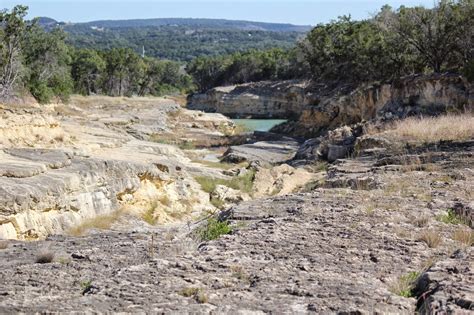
[[299, 12]]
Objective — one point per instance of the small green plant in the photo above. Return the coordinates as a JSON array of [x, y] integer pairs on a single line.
[[451, 218], [86, 286], [214, 229], [405, 284], [187, 145], [196, 293]]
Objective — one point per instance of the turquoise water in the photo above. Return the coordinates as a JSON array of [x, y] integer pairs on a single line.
[[259, 124]]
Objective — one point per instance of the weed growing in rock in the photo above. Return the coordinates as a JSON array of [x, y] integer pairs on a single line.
[[214, 229], [405, 284], [196, 293], [465, 236], [451, 218], [86, 286], [432, 238], [44, 257]]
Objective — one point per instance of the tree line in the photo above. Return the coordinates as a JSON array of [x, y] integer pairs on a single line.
[[391, 44], [41, 63]]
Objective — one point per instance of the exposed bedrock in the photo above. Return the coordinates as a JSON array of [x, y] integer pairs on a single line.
[[282, 99], [63, 166], [415, 95], [312, 110]]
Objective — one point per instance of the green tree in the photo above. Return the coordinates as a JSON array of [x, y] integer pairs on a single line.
[[87, 70], [12, 32], [47, 59]]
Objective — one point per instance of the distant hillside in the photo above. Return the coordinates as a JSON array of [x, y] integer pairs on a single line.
[[179, 38], [201, 23]]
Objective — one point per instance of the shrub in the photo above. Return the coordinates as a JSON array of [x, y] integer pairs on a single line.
[[214, 229]]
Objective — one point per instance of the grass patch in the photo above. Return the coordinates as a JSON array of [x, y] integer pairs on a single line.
[[101, 222], [465, 236], [432, 238], [243, 183], [433, 129], [214, 229], [451, 218], [196, 293], [218, 203], [405, 284]]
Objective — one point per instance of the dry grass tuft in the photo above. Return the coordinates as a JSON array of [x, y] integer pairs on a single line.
[[44, 257], [432, 238], [103, 222], [421, 221], [3, 244], [433, 129], [196, 293], [464, 236]]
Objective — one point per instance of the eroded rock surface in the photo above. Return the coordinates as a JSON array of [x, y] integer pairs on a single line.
[[328, 250], [62, 165]]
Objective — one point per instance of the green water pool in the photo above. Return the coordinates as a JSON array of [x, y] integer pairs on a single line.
[[259, 124]]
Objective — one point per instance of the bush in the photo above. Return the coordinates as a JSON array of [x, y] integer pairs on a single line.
[[214, 229]]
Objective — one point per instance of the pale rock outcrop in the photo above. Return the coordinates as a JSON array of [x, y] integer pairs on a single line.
[[63, 165], [257, 100]]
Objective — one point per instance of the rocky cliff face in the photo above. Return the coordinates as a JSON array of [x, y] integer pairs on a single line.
[[313, 111], [256, 100], [61, 166], [417, 95]]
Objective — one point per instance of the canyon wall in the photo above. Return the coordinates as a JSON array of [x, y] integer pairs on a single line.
[[284, 100], [314, 110]]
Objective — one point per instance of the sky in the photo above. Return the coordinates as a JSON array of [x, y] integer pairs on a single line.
[[302, 12]]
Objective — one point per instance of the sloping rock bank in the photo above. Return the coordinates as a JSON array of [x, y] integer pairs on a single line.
[[284, 100], [329, 250], [61, 166]]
